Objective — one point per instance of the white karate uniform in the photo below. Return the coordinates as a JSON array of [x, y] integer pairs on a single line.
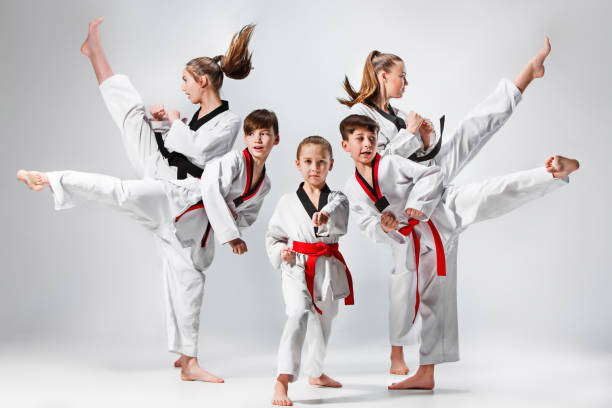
[[406, 184], [461, 145], [292, 221], [209, 137], [456, 151]]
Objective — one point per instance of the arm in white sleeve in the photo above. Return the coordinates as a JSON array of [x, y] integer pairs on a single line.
[[338, 209], [201, 146], [276, 237], [215, 184], [403, 143]]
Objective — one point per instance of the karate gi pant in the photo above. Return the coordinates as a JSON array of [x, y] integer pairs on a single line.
[[456, 152], [184, 284], [459, 208], [304, 325], [476, 129]]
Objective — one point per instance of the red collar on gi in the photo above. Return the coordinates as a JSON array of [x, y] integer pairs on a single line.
[[249, 192], [381, 203], [315, 250]]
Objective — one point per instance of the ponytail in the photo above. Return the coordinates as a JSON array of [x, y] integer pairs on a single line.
[[370, 88], [235, 64]]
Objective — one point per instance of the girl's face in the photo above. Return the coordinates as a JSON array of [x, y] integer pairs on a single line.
[[314, 164], [192, 88], [394, 81]]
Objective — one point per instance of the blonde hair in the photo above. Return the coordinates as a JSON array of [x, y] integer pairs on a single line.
[[235, 64], [370, 87]]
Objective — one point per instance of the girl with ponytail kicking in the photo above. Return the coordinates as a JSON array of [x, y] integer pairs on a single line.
[[177, 151]]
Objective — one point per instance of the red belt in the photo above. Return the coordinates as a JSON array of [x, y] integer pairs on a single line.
[[440, 258], [315, 250]]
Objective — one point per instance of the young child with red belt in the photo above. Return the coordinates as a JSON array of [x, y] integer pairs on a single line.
[[302, 242]]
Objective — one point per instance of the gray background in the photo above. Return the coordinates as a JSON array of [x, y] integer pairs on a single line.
[[90, 277]]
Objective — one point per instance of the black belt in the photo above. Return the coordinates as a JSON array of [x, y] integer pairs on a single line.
[[178, 160], [435, 150]]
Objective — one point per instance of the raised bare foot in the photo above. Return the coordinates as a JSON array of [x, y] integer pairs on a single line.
[[92, 42], [34, 179], [324, 381], [423, 379], [191, 371], [537, 62], [398, 365], [178, 363], [281, 386], [560, 166]]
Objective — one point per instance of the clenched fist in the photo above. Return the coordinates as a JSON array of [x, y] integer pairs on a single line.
[[388, 222]]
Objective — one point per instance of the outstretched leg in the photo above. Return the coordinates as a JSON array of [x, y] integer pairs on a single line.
[[487, 118], [145, 201], [92, 47], [534, 68], [497, 196]]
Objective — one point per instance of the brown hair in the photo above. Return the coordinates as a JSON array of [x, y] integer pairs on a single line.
[[370, 88], [260, 119], [315, 140], [352, 122], [236, 63]]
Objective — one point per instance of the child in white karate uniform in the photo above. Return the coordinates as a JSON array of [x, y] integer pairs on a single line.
[[302, 242], [226, 200], [407, 206], [166, 148], [413, 136]]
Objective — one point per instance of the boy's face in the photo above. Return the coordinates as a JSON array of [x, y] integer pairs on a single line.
[[260, 142], [361, 144], [314, 164]]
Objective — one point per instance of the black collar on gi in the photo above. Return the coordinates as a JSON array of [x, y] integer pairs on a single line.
[[196, 123], [380, 201], [391, 116], [307, 204], [251, 189]]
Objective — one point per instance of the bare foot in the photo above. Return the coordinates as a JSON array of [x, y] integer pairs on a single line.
[[281, 386], [423, 379], [537, 62], [191, 371], [560, 166], [324, 381], [92, 42], [533, 69], [178, 363], [398, 365], [34, 179]]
